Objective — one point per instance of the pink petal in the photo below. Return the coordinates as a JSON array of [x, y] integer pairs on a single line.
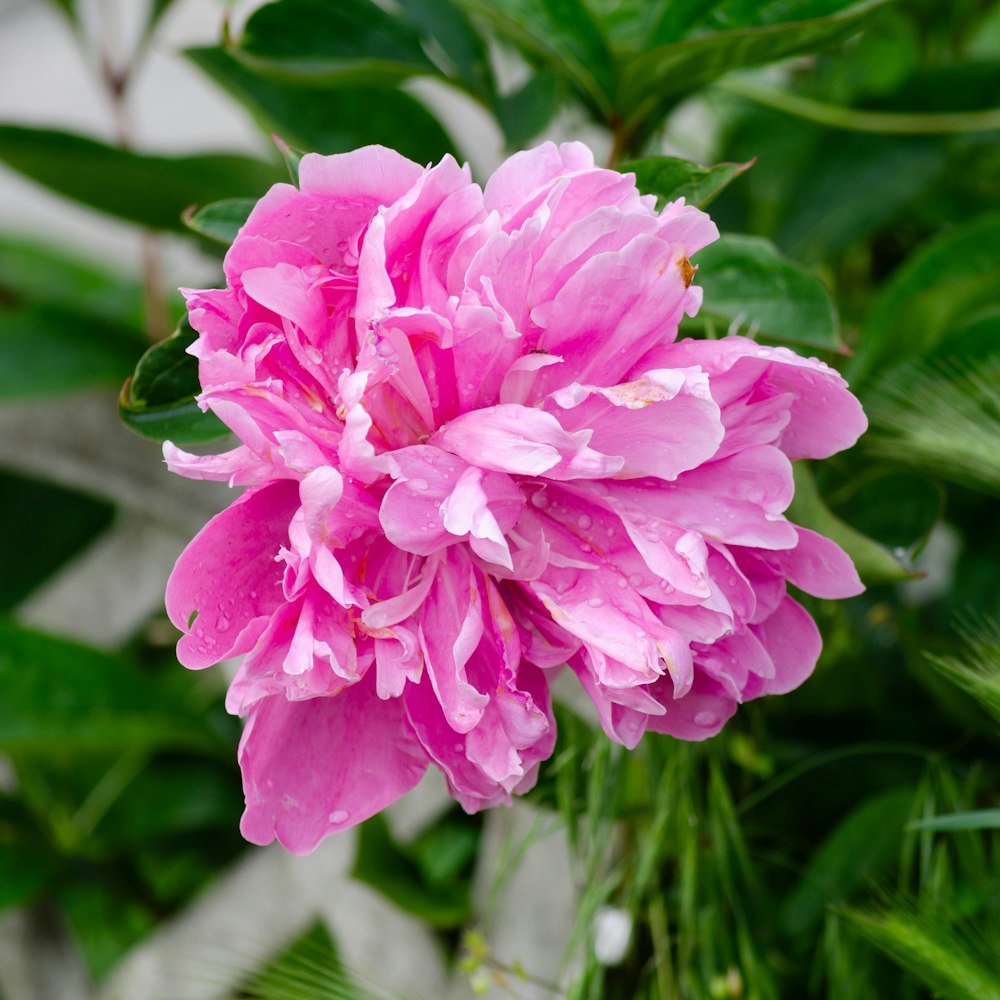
[[311, 768]]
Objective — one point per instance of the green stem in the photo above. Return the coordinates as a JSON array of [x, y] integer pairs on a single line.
[[858, 120]]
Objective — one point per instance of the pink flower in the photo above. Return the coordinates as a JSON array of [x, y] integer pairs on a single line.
[[474, 453]]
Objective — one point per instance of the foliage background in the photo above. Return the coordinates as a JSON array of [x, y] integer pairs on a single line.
[[837, 842]]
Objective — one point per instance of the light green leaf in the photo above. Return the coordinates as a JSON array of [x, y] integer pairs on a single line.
[[220, 220], [158, 400], [936, 291], [50, 350], [670, 178], [753, 289], [979, 819], [151, 190], [324, 119], [34, 274], [874, 563], [348, 43], [860, 847], [665, 73]]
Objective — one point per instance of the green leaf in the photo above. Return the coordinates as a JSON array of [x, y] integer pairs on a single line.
[[72, 521], [936, 955], [153, 191], [27, 863], [325, 119], [979, 819], [752, 288], [852, 186], [50, 350], [351, 43], [670, 178], [936, 291], [64, 698], [386, 866], [525, 112], [158, 400], [874, 563], [220, 220], [34, 274], [564, 36], [860, 847], [942, 420], [976, 669], [106, 919], [661, 76], [444, 24]]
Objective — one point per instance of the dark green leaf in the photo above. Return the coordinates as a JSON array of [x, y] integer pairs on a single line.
[[158, 400], [936, 291], [525, 112], [860, 847], [444, 23], [670, 178], [151, 190], [564, 35], [71, 521], [351, 42], [874, 563], [653, 79], [386, 866], [853, 185], [27, 864], [106, 920], [752, 288], [61, 697], [220, 220], [322, 119]]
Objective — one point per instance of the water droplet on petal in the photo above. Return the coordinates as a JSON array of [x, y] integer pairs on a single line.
[[584, 521], [339, 816], [418, 484], [706, 719], [595, 602]]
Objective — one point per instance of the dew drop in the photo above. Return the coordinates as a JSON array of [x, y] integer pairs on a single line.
[[339, 816], [595, 602], [222, 623], [584, 521], [540, 500], [706, 719], [622, 582], [418, 484]]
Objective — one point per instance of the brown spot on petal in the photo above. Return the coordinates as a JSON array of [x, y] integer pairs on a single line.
[[687, 270]]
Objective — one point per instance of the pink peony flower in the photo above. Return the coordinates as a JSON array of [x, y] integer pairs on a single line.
[[474, 454]]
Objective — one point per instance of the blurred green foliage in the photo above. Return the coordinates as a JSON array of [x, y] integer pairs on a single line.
[[841, 841]]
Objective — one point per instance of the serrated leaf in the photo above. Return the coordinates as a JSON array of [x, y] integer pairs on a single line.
[[220, 220], [158, 401], [150, 190], [751, 288], [325, 119], [670, 178], [874, 563], [350, 43], [655, 78]]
